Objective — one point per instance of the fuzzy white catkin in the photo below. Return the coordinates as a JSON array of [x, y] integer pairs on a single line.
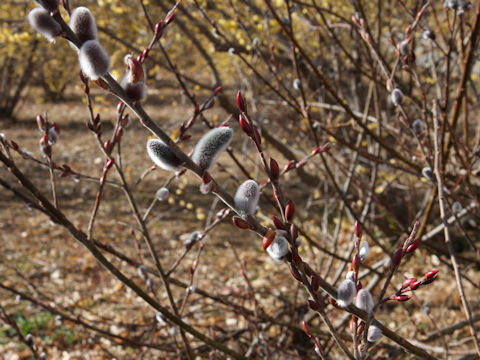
[[345, 293], [364, 300], [162, 155], [211, 145], [162, 194], [94, 60], [374, 334], [83, 24], [278, 248], [364, 251], [397, 96], [42, 22], [246, 197], [349, 275]]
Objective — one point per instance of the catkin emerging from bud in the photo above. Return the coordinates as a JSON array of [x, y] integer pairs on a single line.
[[246, 197], [134, 80], [364, 300], [41, 21], [278, 248], [364, 251], [374, 334], [94, 60], [83, 24], [162, 155], [211, 145], [346, 293]]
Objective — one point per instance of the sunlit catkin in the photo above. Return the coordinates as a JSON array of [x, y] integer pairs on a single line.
[[211, 145], [83, 24], [42, 22], [162, 155], [246, 197], [94, 60]]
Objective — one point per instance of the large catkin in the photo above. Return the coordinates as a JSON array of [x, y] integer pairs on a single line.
[[246, 197], [211, 145], [162, 155], [42, 22], [94, 60], [83, 24]]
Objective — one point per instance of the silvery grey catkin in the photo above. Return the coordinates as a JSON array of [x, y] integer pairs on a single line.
[[364, 300], [374, 334], [346, 293], [42, 22], [83, 24], [246, 197], [397, 96], [94, 60], [211, 145], [278, 248], [162, 155]]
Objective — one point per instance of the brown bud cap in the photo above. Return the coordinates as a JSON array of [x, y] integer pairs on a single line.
[[278, 223], [240, 223], [274, 169], [289, 210], [268, 238], [135, 70]]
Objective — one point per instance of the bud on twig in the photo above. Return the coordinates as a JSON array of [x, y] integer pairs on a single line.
[[358, 229], [274, 169], [241, 102], [411, 248], [240, 223], [289, 210]]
